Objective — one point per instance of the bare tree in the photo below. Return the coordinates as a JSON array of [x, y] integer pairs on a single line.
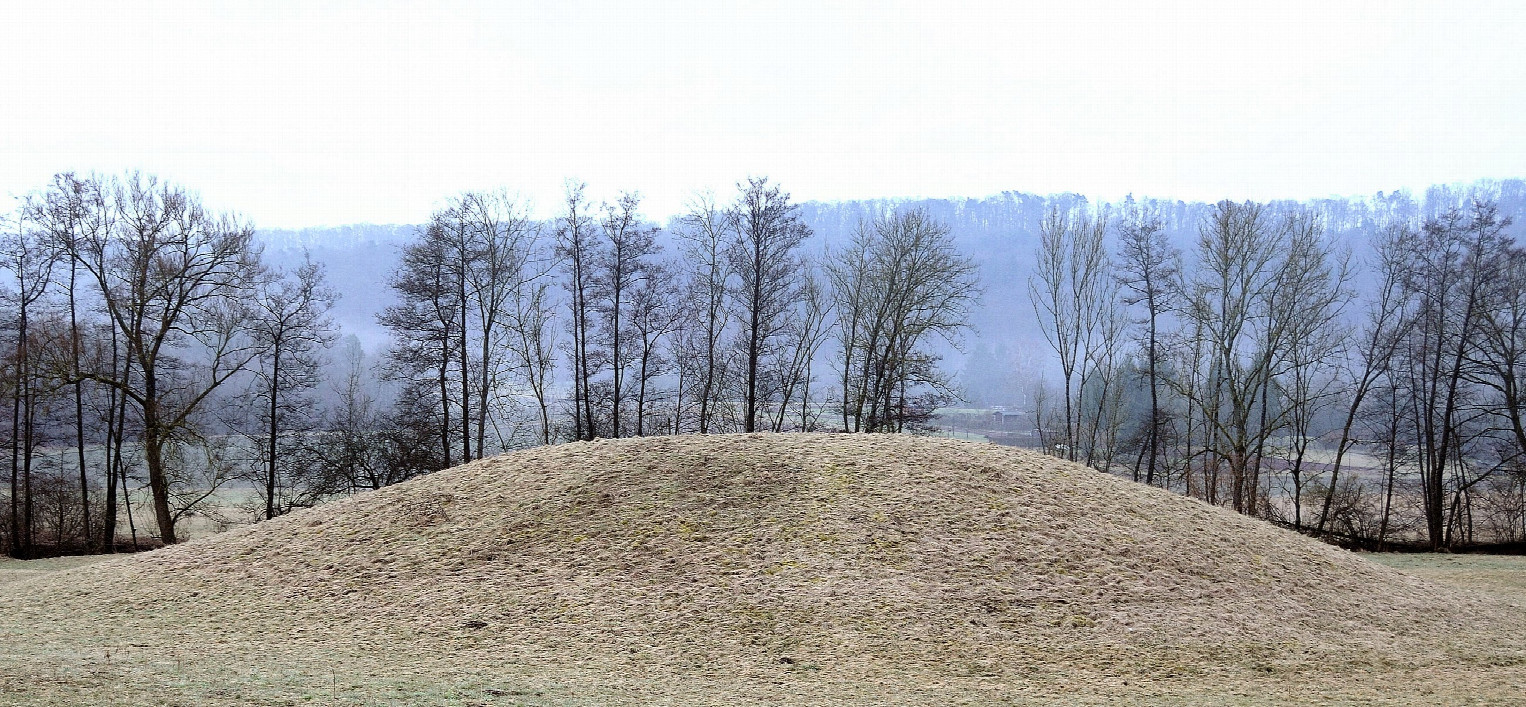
[[533, 344], [705, 230], [1307, 324], [291, 328], [502, 264], [1237, 252], [621, 265], [174, 279], [1378, 342], [62, 213], [898, 285], [577, 249], [27, 259], [767, 231], [1066, 289], [1149, 267], [350, 444], [424, 325], [1452, 262], [1500, 354], [1103, 394], [809, 328], [654, 314]]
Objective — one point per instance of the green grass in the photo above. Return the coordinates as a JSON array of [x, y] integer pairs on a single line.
[[17, 570], [1502, 575]]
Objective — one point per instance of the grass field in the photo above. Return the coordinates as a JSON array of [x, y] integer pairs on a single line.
[[1501, 575], [146, 673], [827, 570]]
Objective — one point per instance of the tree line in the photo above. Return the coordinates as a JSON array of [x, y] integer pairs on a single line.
[[1247, 371], [725, 334], [150, 347]]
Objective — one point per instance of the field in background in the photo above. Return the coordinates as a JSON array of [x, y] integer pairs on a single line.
[[1502, 575]]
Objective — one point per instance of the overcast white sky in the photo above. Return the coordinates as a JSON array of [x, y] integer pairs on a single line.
[[298, 114]]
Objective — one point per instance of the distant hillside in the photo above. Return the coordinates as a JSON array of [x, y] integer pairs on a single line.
[[357, 259]]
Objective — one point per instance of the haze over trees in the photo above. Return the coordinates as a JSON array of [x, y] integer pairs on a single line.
[[152, 335], [1259, 373], [1347, 369]]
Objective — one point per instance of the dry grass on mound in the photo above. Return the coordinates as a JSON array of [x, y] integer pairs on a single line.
[[710, 568]]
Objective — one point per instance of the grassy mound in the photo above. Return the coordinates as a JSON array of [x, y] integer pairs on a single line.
[[803, 568]]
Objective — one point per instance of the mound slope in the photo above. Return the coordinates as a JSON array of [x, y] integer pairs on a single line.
[[868, 566]]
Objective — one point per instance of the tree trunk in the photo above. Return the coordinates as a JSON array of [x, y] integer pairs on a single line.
[[445, 400], [466, 377], [274, 431], [1153, 439], [116, 417], [79, 407], [754, 346], [153, 458], [21, 497]]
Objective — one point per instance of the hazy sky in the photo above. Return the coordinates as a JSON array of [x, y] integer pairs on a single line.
[[301, 115]]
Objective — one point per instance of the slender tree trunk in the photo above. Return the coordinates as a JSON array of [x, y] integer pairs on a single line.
[[482, 390], [79, 407], [1153, 439], [466, 377], [754, 342], [445, 443], [707, 389], [18, 546], [615, 362], [132, 525], [580, 300], [274, 431], [641, 394], [1070, 425], [29, 445], [805, 400], [116, 417], [1252, 482], [1340, 453], [21, 497]]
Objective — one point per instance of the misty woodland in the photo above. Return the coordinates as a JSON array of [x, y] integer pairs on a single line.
[[1350, 377]]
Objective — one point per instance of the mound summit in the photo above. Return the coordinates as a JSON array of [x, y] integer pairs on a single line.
[[804, 568]]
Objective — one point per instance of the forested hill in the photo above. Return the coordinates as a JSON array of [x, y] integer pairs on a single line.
[[1001, 232]]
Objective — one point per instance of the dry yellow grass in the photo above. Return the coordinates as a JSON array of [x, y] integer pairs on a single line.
[[772, 569]]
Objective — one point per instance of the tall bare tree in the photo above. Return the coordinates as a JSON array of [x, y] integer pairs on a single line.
[[809, 328], [174, 279], [621, 265], [1307, 323], [1453, 259], [705, 230], [767, 231], [502, 259], [1066, 289], [899, 285], [291, 328], [576, 248], [424, 325], [1149, 268], [1374, 348], [27, 258], [655, 313], [532, 344]]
